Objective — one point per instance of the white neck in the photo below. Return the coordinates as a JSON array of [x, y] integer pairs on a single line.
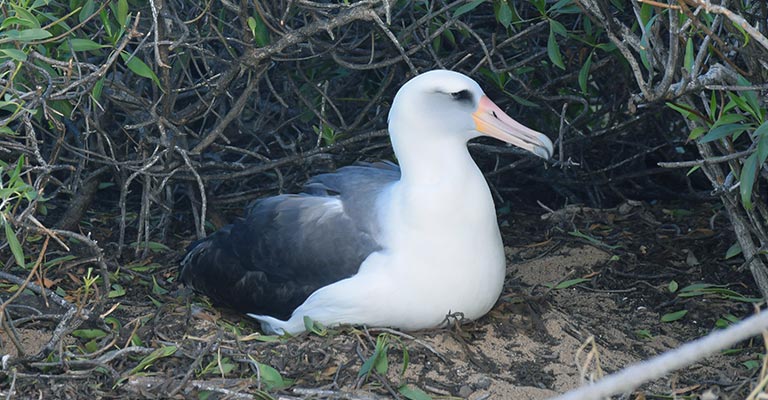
[[436, 159], [441, 187]]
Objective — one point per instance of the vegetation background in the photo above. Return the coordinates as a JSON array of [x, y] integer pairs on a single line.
[[128, 128]]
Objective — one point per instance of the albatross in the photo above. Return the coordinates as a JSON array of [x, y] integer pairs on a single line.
[[376, 244]]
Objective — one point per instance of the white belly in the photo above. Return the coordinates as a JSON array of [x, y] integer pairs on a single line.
[[437, 261]]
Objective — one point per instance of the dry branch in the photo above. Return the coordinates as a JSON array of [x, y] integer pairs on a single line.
[[631, 377]]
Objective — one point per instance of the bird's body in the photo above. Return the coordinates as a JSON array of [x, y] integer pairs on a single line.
[[376, 244]]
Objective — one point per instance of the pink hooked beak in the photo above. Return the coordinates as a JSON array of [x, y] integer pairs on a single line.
[[491, 121]]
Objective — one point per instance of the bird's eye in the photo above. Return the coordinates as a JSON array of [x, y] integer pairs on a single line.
[[462, 95]]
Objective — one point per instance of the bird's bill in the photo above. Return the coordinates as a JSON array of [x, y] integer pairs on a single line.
[[491, 121]]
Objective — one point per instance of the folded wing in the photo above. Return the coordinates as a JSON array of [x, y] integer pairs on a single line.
[[288, 246]]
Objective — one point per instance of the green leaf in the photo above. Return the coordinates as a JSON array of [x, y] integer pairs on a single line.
[[89, 333], [87, 11], [259, 30], [645, 44], [85, 44], [153, 246], [377, 360], [646, 12], [673, 316], [540, 6], [762, 145], [733, 251], [712, 105], [14, 54], [672, 286], [564, 7], [58, 260], [96, 93], [752, 364], [740, 101], [413, 393], [467, 8], [315, 327], [587, 24], [107, 24], [584, 74], [406, 359], [697, 132], [147, 361], [139, 67], [723, 131], [553, 49], [685, 112], [752, 100], [92, 346], [10, 21], [590, 239], [114, 323], [156, 288], [27, 35], [122, 12], [26, 18], [730, 118], [558, 28], [522, 101], [117, 291], [13, 243], [271, 378], [136, 340], [747, 179], [762, 130], [569, 283], [726, 321], [252, 25], [695, 287], [504, 14], [688, 60], [644, 334]]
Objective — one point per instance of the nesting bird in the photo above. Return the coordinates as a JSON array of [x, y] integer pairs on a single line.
[[376, 244]]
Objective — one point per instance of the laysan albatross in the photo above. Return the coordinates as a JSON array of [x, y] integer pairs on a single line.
[[376, 244]]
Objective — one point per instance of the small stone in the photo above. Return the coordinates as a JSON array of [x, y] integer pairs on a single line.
[[465, 391], [483, 383], [709, 395]]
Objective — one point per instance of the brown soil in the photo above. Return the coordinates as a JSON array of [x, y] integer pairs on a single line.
[[534, 344]]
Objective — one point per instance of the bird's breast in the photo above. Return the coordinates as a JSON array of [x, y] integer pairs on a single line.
[[451, 229]]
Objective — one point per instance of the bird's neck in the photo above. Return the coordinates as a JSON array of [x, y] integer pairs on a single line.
[[437, 163], [441, 192]]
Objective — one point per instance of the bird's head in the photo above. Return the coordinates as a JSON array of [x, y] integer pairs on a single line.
[[440, 102]]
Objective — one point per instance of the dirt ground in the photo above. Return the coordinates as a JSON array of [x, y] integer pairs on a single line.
[[585, 295]]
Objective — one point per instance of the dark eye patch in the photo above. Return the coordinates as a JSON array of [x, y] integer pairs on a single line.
[[462, 96]]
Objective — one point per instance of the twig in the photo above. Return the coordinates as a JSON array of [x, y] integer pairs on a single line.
[[233, 113], [203, 352], [336, 394], [12, 389], [35, 288], [637, 374], [705, 161], [660, 5], [735, 18], [201, 188]]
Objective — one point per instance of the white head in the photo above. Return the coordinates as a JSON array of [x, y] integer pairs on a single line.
[[444, 105]]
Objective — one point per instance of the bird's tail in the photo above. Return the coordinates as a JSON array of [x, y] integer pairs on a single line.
[[194, 251]]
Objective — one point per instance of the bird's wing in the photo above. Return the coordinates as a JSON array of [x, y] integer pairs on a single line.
[[288, 246]]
